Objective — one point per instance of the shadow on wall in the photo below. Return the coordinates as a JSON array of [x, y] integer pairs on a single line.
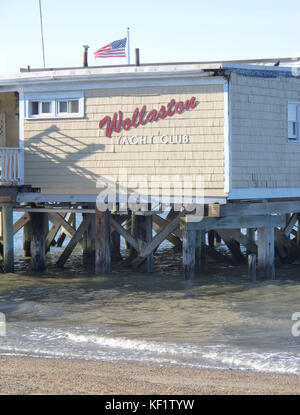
[[52, 159]]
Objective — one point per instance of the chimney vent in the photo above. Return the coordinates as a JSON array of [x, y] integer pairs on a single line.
[[137, 57], [85, 55]]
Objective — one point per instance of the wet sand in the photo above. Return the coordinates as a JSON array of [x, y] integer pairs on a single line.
[[35, 376]]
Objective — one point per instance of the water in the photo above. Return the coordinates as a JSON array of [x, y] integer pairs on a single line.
[[219, 321]]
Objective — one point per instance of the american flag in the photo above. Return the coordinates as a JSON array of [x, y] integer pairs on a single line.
[[115, 49]]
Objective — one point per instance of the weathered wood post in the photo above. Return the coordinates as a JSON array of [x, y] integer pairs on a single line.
[[199, 254], [1, 234], [265, 239], [88, 245], [102, 242], [298, 230], [88, 241], [84, 243], [127, 227], [252, 267], [46, 229], [188, 253], [250, 236], [143, 232], [116, 244], [27, 239], [132, 251], [211, 239], [8, 238], [38, 241], [91, 235]]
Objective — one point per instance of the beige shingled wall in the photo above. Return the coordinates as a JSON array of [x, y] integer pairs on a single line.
[[67, 156], [261, 154]]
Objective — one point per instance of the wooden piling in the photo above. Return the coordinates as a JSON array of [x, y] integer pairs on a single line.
[[188, 253], [132, 251], [199, 253], [116, 245], [211, 238], [1, 234], [252, 267], [27, 239], [143, 232], [38, 241], [91, 235], [298, 230], [265, 239], [8, 239], [102, 242], [84, 243], [250, 236], [46, 229], [88, 244]]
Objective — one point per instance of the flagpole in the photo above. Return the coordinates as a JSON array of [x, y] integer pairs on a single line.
[[41, 21], [128, 48]]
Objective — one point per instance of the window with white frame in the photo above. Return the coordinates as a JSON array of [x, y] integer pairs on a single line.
[[293, 121], [40, 108], [68, 105]]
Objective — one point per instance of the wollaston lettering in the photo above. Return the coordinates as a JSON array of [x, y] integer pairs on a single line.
[[141, 117]]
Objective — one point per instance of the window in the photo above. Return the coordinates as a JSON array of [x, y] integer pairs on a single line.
[[34, 108], [74, 106], [70, 105], [62, 106], [293, 121], [46, 107], [40, 107]]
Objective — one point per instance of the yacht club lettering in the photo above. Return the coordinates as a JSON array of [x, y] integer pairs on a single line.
[[118, 124]]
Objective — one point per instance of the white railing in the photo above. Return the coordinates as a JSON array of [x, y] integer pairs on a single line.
[[10, 165]]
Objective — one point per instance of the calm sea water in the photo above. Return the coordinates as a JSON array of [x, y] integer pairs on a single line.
[[220, 320]]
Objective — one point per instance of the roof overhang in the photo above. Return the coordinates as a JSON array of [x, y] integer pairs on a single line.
[[143, 73]]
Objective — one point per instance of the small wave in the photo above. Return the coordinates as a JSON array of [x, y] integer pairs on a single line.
[[68, 345], [276, 362], [129, 344], [55, 354], [34, 309]]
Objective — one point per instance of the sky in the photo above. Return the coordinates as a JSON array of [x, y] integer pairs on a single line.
[[163, 30]]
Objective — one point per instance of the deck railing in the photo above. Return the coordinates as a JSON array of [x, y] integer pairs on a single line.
[[10, 165]]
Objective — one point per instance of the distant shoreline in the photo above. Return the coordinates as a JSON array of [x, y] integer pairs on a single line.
[[33, 376]]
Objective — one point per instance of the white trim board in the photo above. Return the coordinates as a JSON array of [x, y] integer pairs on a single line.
[[118, 82], [21, 134], [49, 78], [264, 193], [77, 198], [94, 72], [227, 139]]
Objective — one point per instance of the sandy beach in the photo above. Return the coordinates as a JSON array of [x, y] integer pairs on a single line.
[[35, 376]]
